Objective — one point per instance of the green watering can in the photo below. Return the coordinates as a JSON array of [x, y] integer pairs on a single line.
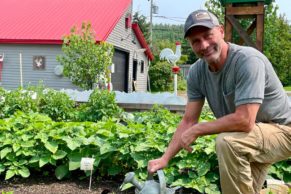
[[150, 186]]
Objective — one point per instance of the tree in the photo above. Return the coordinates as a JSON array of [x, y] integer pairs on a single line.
[[84, 61], [161, 76], [277, 37], [171, 34], [143, 24], [216, 8], [277, 40]]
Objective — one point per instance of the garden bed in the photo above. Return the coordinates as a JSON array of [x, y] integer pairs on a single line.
[[37, 184]]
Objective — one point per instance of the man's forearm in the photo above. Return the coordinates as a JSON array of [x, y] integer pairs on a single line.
[[175, 146], [235, 122]]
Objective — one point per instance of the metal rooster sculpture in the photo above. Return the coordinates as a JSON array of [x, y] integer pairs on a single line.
[[172, 58]]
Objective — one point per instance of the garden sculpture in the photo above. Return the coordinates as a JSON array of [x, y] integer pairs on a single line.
[[172, 58], [150, 186]]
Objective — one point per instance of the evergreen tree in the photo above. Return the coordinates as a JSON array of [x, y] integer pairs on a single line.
[[143, 24]]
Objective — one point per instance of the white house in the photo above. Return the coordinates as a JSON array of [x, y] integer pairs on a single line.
[[31, 38]]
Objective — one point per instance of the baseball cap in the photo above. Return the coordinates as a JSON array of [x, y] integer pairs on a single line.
[[200, 18]]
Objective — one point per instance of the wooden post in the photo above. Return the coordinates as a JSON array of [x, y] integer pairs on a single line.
[[260, 28], [228, 26]]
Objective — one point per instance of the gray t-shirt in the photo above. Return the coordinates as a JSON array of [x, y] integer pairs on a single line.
[[247, 77]]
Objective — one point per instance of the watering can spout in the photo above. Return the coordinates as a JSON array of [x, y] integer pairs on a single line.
[[129, 178]]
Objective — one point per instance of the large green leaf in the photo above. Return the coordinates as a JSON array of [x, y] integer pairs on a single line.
[[114, 170], [44, 159], [140, 147], [106, 147], [24, 172], [52, 146], [5, 151], [34, 159], [61, 171], [74, 161], [203, 168], [126, 186], [27, 144], [16, 146], [97, 161], [71, 143], [212, 189], [28, 152], [140, 159], [104, 132], [59, 155], [9, 174]]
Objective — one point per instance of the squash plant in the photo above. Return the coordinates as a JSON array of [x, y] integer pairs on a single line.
[[119, 143], [34, 141]]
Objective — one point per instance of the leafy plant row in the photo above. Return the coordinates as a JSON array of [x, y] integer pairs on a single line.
[[33, 141], [42, 128], [58, 105]]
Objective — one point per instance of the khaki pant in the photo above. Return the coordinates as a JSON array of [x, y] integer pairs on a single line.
[[244, 158]]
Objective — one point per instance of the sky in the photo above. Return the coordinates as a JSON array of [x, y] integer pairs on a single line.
[[176, 12]]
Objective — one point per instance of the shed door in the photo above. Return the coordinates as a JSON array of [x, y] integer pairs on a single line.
[[120, 76]]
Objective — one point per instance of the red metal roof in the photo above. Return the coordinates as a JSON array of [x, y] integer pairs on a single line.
[[46, 21], [142, 40]]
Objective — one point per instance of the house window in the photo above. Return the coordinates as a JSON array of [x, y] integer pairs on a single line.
[[38, 62], [141, 66], [128, 21]]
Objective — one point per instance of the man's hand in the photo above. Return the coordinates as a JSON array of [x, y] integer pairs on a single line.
[[157, 164], [187, 138]]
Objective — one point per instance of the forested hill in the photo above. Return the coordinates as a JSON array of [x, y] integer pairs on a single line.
[[169, 32], [166, 35]]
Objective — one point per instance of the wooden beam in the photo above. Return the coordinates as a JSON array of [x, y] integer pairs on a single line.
[[249, 10], [250, 30], [240, 30]]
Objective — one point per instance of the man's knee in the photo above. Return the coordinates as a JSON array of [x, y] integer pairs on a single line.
[[221, 144]]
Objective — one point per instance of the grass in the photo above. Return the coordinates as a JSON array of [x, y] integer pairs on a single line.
[[287, 88]]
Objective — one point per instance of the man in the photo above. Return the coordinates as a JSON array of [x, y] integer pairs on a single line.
[[252, 109]]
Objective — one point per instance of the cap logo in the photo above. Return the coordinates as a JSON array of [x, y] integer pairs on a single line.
[[202, 16]]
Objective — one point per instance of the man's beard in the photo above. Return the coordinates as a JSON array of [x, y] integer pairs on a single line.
[[214, 57]]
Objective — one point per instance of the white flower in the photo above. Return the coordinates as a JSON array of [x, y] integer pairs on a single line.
[[45, 91], [2, 99], [23, 91], [34, 95]]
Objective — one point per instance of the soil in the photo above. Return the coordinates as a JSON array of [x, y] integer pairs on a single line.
[[51, 185]]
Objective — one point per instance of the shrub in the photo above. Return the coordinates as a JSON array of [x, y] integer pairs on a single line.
[[161, 76], [57, 105], [101, 104], [20, 99]]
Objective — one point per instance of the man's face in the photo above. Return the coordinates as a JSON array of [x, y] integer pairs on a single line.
[[207, 43]]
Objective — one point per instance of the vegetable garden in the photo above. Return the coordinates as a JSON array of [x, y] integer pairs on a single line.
[[43, 129]]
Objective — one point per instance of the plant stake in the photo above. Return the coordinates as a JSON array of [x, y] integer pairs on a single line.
[[87, 164]]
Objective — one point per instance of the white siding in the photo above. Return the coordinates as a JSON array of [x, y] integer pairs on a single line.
[[122, 38], [11, 66]]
